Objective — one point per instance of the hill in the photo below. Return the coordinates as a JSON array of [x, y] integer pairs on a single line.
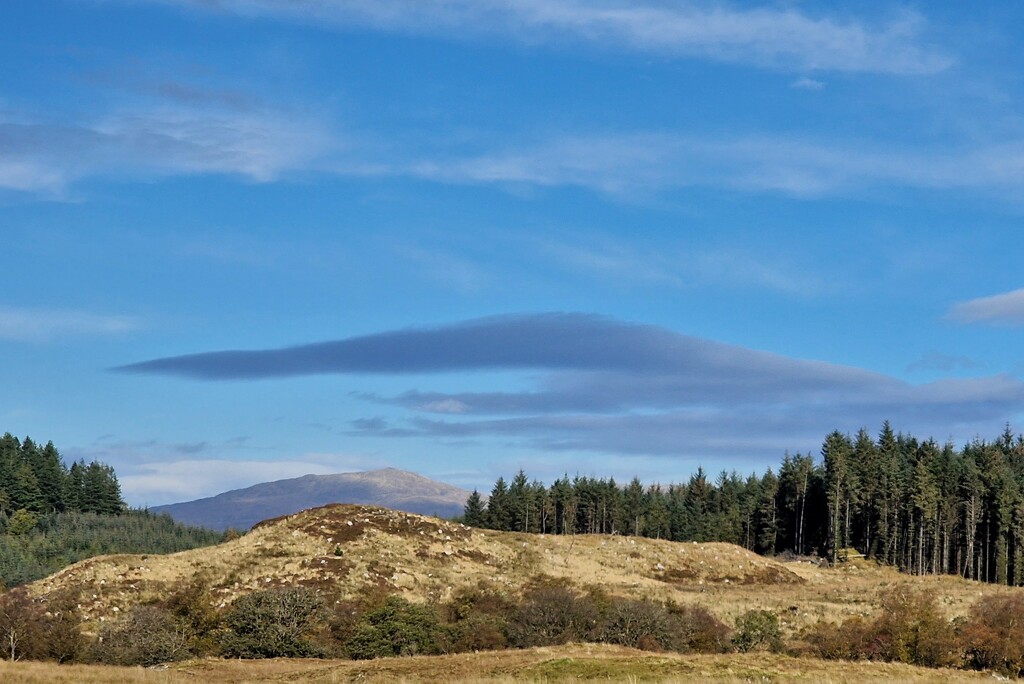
[[388, 487], [348, 554], [351, 550]]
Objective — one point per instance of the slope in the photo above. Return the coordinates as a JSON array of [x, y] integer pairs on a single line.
[[348, 550]]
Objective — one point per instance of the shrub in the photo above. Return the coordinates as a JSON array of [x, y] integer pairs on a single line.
[[191, 603], [22, 522], [993, 635], [850, 641], [398, 627], [695, 629], [551, 615], [475, 601], [639, 624], [478, 632], [36, 629], [146, 636], [910, 629], [274, 623], [758, 630], [476, 618]]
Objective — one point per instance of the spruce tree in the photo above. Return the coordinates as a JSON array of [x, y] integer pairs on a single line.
[[474, 513]]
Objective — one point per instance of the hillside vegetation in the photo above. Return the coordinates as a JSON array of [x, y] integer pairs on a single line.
[[364, 583], [44, 544], [52, 514]]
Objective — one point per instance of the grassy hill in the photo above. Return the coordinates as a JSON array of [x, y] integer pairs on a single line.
[[351, 550], [347, 552]]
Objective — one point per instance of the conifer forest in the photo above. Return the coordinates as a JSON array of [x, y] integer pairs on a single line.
[[923, 507], [52, 514]]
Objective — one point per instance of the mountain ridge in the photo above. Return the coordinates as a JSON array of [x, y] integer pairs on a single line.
[[387, 487]]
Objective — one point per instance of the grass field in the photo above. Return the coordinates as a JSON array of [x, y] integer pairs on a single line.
[[575, 662]]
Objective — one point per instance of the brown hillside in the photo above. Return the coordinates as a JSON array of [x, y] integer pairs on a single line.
[[347, 550]]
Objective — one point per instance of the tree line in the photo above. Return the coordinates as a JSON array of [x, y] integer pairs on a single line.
[[33, 546], [35, 478], [917, 505], [53, 515]]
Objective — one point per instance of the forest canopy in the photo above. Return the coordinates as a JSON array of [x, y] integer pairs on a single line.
[[52, 515], [920, 506], [36, 479]]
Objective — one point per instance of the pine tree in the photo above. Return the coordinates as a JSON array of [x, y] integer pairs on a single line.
[[766, 524], [836, 453], [499, 515], [474, 513], [633, 506]]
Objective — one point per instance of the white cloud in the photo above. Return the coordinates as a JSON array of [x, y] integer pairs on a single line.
[[611, 259], [630, 165], [40, 325], [262, 147], [154, 484], [1005, 309], [45, 156], [805, 83], [773, 37], [445, 406]]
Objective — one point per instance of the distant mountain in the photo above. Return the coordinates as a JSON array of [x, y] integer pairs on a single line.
[[388, 487]]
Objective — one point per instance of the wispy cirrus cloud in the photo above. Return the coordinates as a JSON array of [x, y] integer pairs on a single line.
[[259, 145], [806, 83], [1001, 309], [46, 156], [636, 164], [603, 385], [768, 36], [42, 325]]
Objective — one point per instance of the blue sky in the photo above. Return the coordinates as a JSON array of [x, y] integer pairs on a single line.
[[252, 239]]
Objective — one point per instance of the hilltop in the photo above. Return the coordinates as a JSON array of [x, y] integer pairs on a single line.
[[388, 487]]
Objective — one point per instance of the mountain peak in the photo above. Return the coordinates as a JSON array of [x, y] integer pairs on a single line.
[[389, 487]]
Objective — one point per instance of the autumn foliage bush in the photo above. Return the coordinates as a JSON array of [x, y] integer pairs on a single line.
[[909, 629], [146, 635], [993, 634]]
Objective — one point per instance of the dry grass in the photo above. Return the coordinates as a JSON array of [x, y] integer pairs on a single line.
[[350, 550], [575, 662]]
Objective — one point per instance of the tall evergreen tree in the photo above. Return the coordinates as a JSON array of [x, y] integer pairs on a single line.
[[836, 453], [474, 513], [499, 514]]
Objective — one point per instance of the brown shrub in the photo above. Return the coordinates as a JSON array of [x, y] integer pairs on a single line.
[[39, 629], [146, 636], [551, 615], [849, 641], [910, 629], [696, 629], [478, 632], [639, 624], [993, 635]]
